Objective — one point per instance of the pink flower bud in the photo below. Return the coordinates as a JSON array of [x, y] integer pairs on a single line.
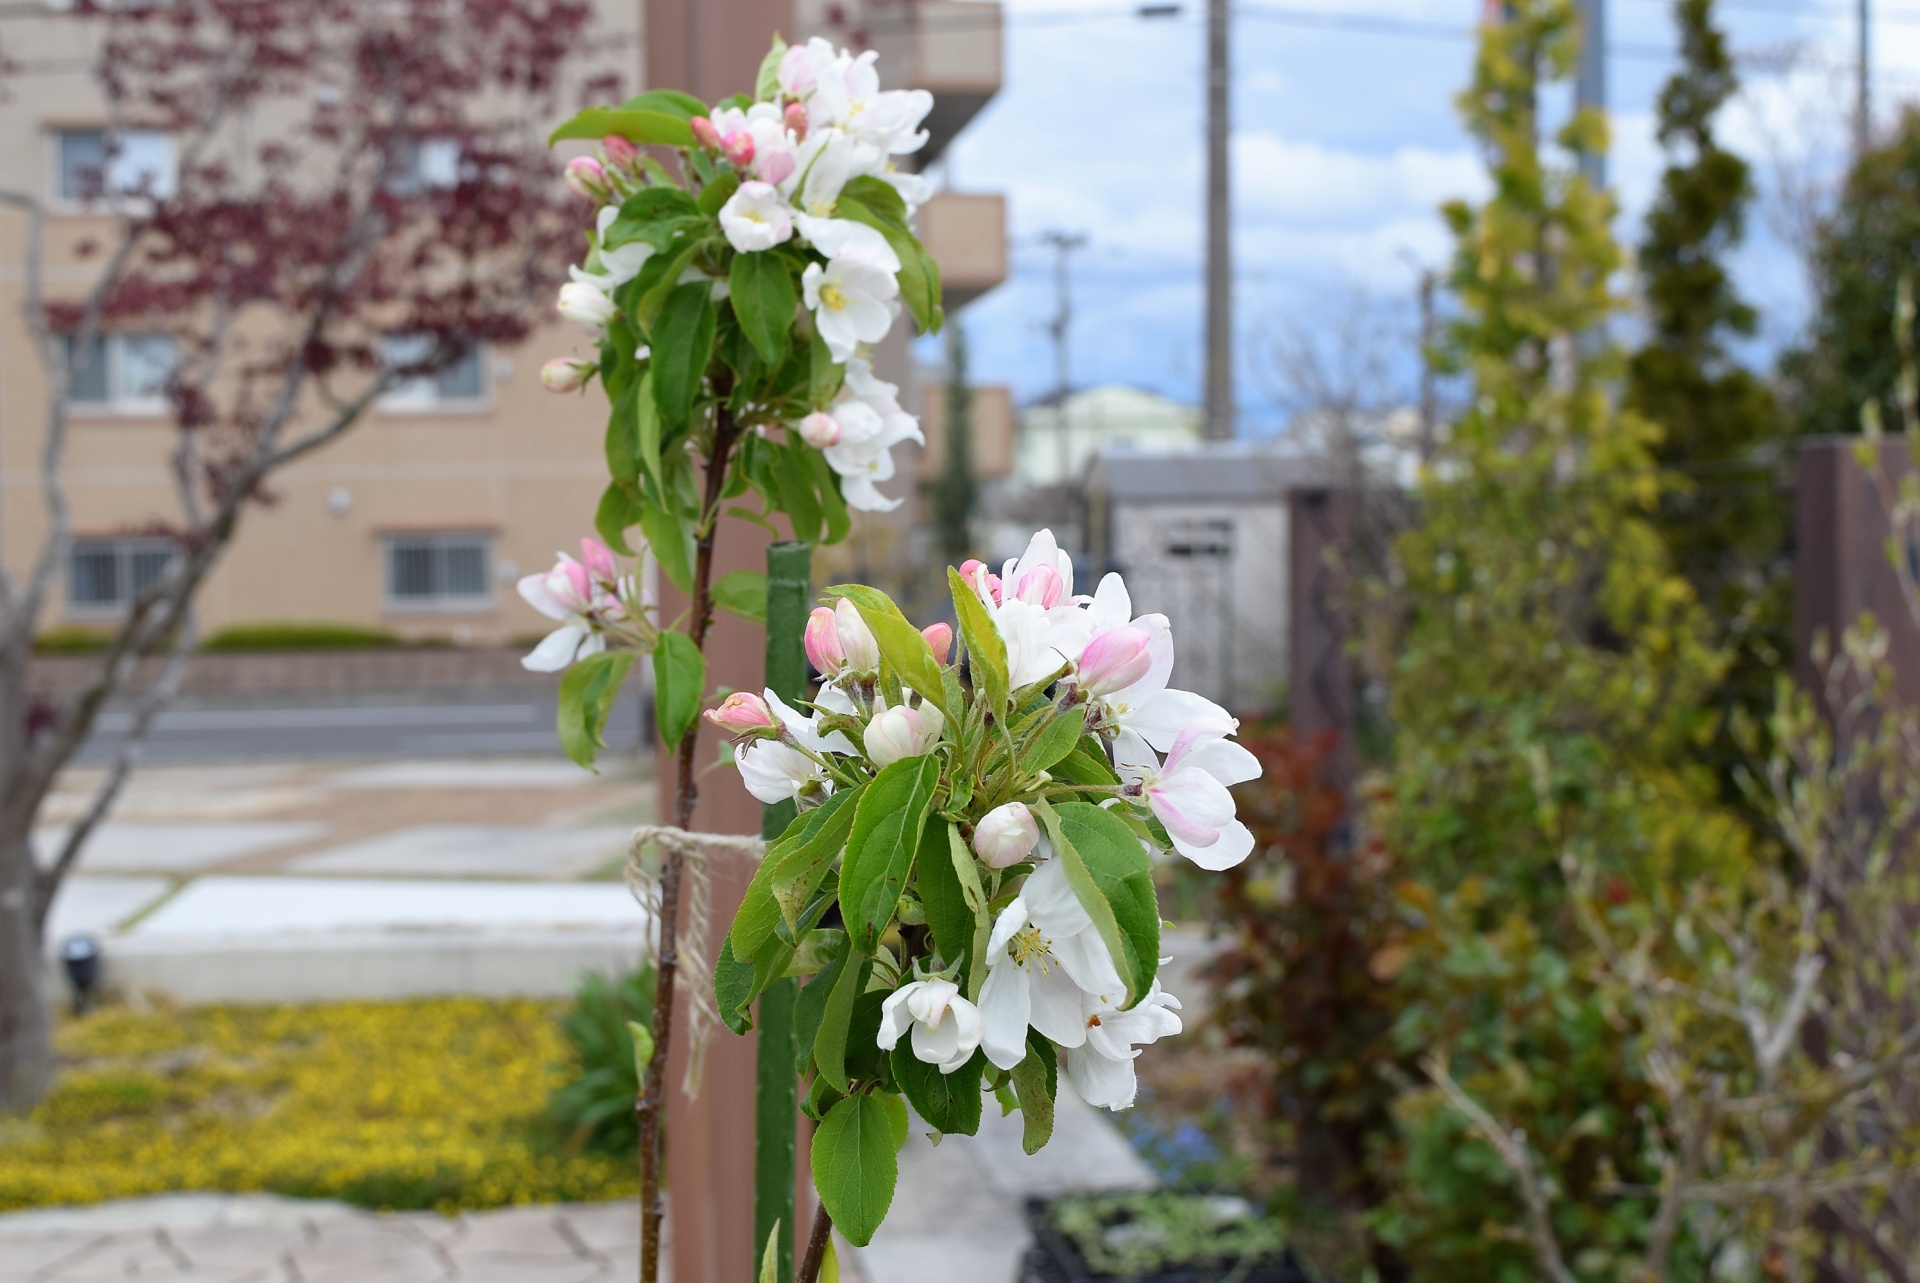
[[939, 641], [566, 374], [1006, 835], [776, 166], [621, 154], [737, 147], [820, 430], [598, 559], [901, 732], [704, 133], [742, 713], [586, 179], [1114, 660], [822, 641], [856, 639], [797, 121], [1041, 586], [984, 582]]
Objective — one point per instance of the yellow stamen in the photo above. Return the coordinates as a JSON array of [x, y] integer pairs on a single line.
[[831, 296], [1030, 946]]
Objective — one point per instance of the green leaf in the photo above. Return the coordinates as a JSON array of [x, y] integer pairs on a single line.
[[734, 988], [880, 850], [1087, 764], [1036, 1082], [587, 694], [764, 298], [636, 125], [743, 593], [679, 686], [623, 436], [655, 215], [919, 275], [672, 544], [901, 646], [949, 1102], [826, 484], [896, 1118], [770, 1259], [825, 374], [1111, 873], [642, 1047], [953, 907], [718, 193], [766, 84], [878, 195], [836, 1020], [986, 649], [1058, 736], [668, 102], [855, 1165], [682, 346], [645, 295], [646, 432], [810, 1011], [618, 513], [791, 871], [793, 490]]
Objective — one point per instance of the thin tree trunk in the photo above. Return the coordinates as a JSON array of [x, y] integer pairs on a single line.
[[686, 794], [26, 1027]]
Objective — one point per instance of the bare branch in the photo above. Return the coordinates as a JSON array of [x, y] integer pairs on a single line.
[[153, 701], [1511, 1148]]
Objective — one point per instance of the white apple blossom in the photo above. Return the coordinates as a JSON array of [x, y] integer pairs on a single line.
[[776, 772], [586, 307], [1144, 713], [617, 266], [901, 731], [852, 302], [946, 1027], [1043, 959], [844, 238], [755, 218], [1102, 1069], [584, 596], [774, 154], [1188, 793], [1033, 609], [868, 423]]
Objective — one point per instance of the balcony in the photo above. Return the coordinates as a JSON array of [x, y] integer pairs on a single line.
[[966, 233], [990, 444]]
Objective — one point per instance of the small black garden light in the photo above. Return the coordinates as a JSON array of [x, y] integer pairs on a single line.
[[81, 957]]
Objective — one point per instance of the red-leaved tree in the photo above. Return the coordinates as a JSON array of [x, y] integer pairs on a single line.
[[346, 170]]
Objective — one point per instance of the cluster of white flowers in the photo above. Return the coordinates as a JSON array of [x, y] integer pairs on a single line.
[[1047, 967], [831, 124]]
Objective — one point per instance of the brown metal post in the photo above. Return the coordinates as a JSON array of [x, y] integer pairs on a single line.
[[1320, 690], [713, 48], [1840, 562]]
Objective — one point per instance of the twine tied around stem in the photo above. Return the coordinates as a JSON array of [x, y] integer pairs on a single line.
[[695, 850]]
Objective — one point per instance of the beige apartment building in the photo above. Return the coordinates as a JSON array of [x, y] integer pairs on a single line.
[[420, 519]]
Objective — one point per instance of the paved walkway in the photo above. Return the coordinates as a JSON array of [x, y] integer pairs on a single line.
[[211, 1238]]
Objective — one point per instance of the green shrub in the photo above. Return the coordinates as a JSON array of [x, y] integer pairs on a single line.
[[70, 639], [1124, 1235], [595, 1109], [295, 636]]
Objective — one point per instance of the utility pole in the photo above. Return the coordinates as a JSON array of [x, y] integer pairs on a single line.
[[1063, 245], [1863, 87], [1219, 409], [1429, 386], [1591, 88]]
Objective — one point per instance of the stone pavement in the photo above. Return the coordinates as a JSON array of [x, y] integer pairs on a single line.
[[214, 1238], [304, 881]]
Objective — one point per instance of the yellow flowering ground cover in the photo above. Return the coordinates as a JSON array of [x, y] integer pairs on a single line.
[[432, 1104]]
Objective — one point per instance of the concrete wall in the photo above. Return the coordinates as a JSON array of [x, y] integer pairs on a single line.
[[1219, 572]]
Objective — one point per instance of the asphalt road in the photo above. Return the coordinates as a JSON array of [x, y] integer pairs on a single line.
[[458, 724]]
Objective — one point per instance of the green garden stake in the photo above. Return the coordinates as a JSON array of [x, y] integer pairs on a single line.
[[776, 1097]]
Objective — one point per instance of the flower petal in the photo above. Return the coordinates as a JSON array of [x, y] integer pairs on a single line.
[[1056, 1005], [1234, 844], [1108, 1084], [1192, 804], [1161, 719], [1005, 1006], [556, 650], [1051, 903]]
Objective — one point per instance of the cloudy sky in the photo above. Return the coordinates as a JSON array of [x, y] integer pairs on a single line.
[[1345, 142]]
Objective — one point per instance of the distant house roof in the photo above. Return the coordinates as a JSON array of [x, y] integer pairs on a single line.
[[1240, 471]]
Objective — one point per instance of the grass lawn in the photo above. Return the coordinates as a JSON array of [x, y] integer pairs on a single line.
[[433, 1104]]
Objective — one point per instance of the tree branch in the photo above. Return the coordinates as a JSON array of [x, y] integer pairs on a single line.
[[1511, 1148]]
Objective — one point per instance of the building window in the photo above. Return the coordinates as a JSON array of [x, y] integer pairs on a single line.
[[105, 576], [93, 164], [461, 383], [424, 165], [121, 373], [1201, 538], [439, 571]]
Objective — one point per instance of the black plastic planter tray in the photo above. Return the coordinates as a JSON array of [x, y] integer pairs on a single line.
[[1053, 1259]]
